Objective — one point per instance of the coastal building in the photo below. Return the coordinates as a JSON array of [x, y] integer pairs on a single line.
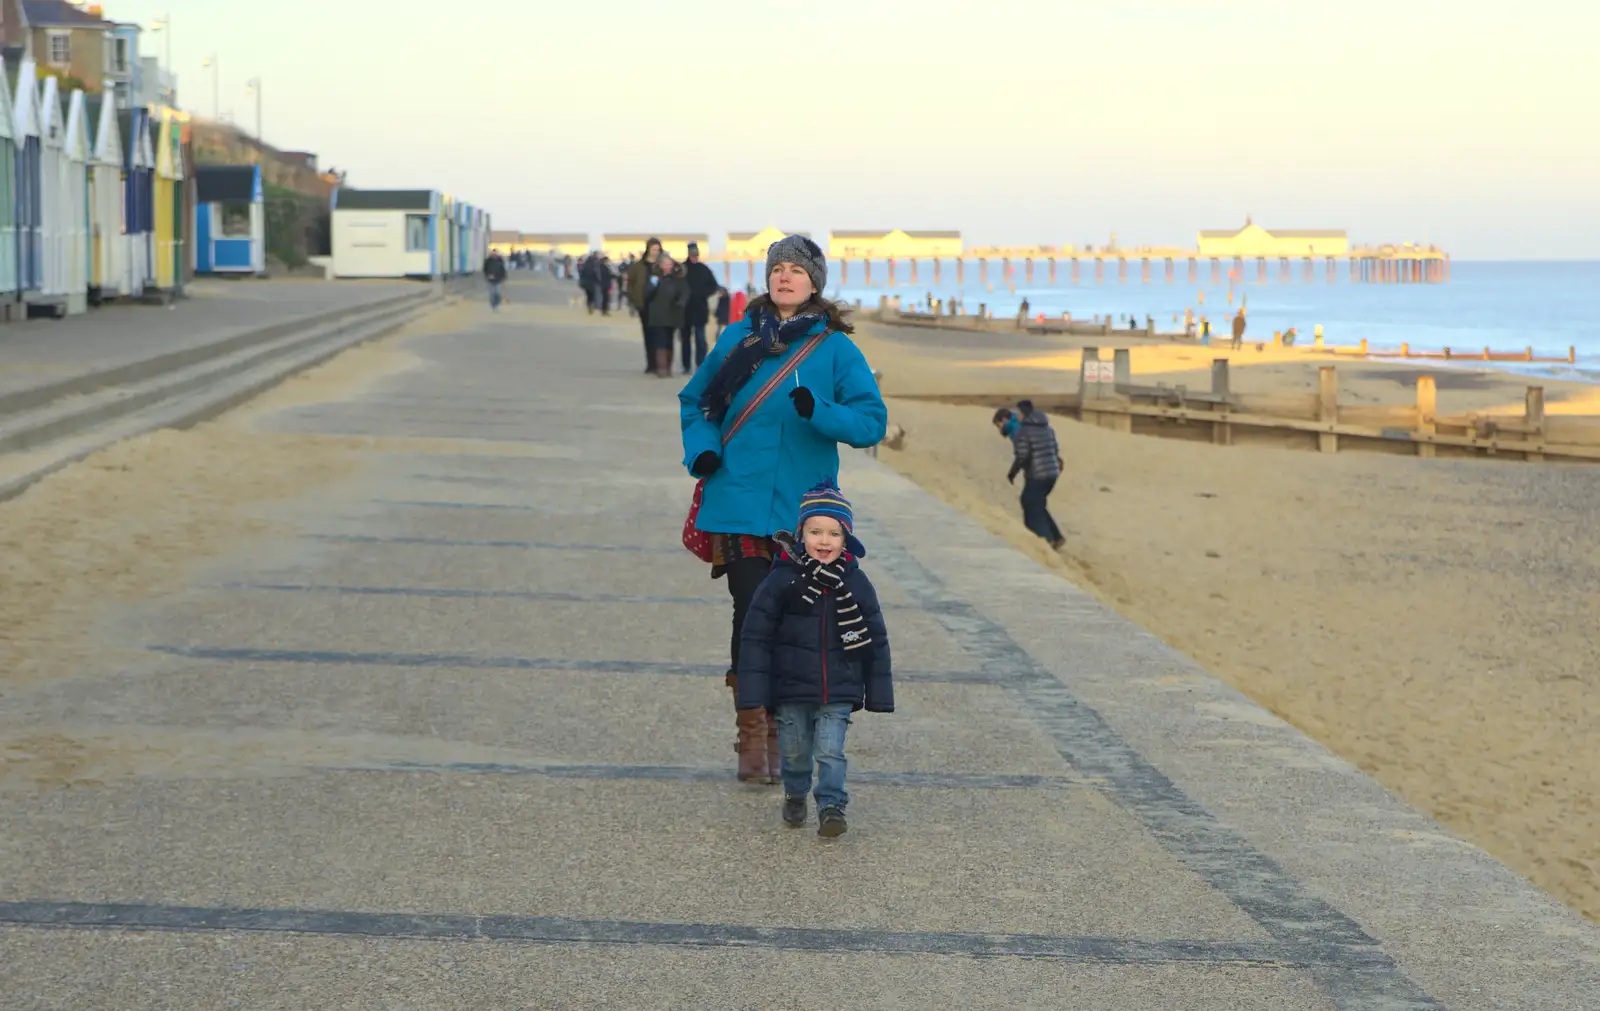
[[75, 150], [674, 244], [109, 236], [1251, 241], [558, 244], [505, 243], [172, 203], [230, 220], [138, 198], [894, 244], [55, 208], [753, 245], [386, 233], [9, 284], [75, 42], [29, 177]]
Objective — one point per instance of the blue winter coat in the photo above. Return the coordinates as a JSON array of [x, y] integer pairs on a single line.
[[789, 651], [777, 456]]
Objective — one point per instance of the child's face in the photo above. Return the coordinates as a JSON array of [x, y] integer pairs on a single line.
[[823, 538]]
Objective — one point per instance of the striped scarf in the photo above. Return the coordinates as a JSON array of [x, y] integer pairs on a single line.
[[820, 578]]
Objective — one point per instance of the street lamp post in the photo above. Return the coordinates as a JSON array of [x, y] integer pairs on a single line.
[[216, 84], [254, 85]]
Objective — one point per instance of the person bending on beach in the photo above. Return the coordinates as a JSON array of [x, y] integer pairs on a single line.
[[815, 649], [1034, 450]]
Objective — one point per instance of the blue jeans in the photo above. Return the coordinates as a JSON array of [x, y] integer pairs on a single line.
[[494, 294], [809, 732]]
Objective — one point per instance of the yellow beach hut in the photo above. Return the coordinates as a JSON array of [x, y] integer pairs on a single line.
[[168, 202]]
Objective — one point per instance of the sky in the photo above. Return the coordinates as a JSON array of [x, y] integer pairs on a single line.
[[1466, 123]]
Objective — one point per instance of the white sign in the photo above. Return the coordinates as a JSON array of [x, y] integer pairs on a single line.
[[1099, 372]]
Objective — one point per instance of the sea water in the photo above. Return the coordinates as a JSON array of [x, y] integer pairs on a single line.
[[1506, 306]]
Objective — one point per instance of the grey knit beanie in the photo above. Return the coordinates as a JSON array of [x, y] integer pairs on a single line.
[[803, 253]]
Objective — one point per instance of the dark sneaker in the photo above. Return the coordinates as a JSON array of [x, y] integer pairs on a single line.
[[794, 811], [830, 822]]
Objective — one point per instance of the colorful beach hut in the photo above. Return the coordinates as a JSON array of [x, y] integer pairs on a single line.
[[168, 203], [387, 233], [138, 198], [110, 243], [8, 200], [76, 150], [189, 203], [29, 180], [231, 220]]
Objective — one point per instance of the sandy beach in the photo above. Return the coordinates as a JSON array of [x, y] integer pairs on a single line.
[[1429, 620]]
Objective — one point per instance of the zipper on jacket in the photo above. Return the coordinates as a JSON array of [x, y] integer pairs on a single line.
[[823, 647]]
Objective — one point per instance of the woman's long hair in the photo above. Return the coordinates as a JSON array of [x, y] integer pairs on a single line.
[[835, 311]]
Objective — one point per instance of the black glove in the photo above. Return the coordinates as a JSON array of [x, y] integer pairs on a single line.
[[1011, 478], [804, 402], [706, 464]]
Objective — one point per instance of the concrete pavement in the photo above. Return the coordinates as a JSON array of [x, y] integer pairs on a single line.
[[41, 351], [458, 739]]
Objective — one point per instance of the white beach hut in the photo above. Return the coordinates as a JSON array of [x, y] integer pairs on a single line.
[[110, 244], [10, 284], [388, 233], [55, 212], [76, 150], [29, 176]]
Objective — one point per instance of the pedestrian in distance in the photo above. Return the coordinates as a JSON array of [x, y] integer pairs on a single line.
[[724, 308], [1238, 328], [762, 422], [494, 272], [640, 279], [1034, 453], [702, 283], [665, 310], [814, 650]]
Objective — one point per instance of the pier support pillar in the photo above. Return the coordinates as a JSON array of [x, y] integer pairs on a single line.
[[1074, 270], [1027, 267], [1099, 270], [1122, 270], [844, 270], [1144, 270], [727, 273], [1194, 271], [961, 271], [983, 271], [892, 278], [1216, 271], [1169, 270], [750, 273], [1261, 270], [1052, 272], [913, 272], [936, 272], [866, 266]]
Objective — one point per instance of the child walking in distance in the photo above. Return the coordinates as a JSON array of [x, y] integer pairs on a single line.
[[814, 649]]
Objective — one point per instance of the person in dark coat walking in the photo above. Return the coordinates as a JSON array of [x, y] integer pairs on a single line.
[[638, 282], [815, 649], [664, 310], [702, 283], [1035, 451], [1238, 328], [494, 271]]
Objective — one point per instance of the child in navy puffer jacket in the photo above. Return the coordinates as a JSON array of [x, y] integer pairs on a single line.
[[814, 649]]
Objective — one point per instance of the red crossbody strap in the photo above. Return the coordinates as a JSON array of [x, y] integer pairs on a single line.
[[773, 383]]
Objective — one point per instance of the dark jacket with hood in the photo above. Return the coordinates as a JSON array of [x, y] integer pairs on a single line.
[[790, 651], [1034, 448], [702, 285], [494, 268], [668, 300]]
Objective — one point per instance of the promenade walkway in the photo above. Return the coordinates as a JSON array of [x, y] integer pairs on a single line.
[[457, 738], [42, 351]]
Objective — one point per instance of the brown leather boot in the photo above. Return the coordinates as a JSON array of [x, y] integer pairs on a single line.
[[752, 745], [774, 757]]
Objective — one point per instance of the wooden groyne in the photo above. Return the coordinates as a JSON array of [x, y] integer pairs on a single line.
[[1109, 398]]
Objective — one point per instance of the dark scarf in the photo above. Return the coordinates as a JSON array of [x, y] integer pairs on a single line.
[[820, 578], [767, 338]]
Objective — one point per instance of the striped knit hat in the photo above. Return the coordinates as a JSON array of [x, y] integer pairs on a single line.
[[827, 500]]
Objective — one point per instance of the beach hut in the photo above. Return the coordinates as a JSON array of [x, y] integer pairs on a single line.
[[8, 201], [56, 212], [76, 251], [138, 198], [168, 203], [189, 204], [386, 233], [231, 220], [109, 240], [28, 173]]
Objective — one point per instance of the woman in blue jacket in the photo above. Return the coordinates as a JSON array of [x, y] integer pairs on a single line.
[[757, 463]]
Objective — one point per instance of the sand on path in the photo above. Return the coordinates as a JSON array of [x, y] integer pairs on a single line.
[[128, 522], [1431, 621]]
